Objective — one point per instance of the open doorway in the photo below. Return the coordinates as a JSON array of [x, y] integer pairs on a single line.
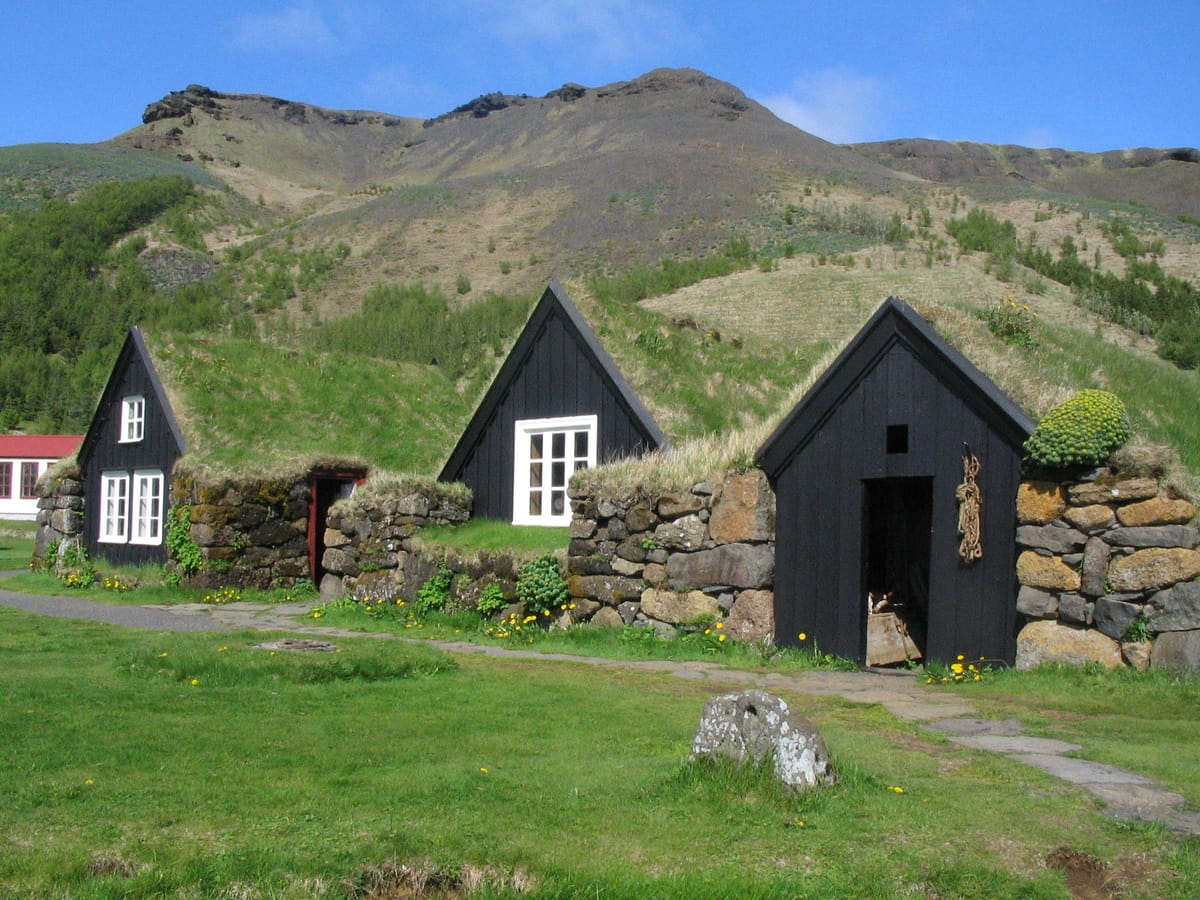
[[897, 518], [325, 488]]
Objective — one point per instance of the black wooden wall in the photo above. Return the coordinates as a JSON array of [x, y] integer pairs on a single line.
[[556, 368], [819, 463], [100, 451]]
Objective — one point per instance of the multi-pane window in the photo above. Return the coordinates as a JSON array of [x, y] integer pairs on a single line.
[[146, 525], [133, 419], [131, 507], [5, 479], [114, 508], [29, 477], [548, 453]]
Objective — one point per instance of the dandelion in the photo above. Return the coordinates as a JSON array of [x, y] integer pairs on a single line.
[[896, 789], [721, 638], [90, 782], [483, 769], [720, 625], [803, 636], [195, 682], [162, 655], [222, 650]]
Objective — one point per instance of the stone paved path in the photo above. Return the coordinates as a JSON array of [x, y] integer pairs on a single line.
[[1126, 795]]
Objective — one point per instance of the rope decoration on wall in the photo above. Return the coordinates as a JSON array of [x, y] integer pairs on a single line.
[[970, 499]]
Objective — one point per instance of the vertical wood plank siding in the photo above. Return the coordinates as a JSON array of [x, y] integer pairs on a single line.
[[159, 449], [896, 372], [556, 368]]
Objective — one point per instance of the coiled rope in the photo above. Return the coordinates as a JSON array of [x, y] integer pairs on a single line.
[[970, 499]]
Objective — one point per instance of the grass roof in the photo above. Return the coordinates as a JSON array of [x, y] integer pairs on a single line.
[[250, 407]]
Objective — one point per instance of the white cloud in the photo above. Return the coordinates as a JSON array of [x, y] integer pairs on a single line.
[[298, 26], [606, 30], [836, 104]]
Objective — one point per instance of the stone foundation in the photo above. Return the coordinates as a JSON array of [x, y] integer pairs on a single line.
[[669, 560], [1102, 553]]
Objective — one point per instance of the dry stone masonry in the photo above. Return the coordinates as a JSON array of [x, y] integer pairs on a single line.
[[1105, 561], [669, 560]]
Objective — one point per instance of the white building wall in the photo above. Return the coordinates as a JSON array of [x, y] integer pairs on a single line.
[[12, 504]]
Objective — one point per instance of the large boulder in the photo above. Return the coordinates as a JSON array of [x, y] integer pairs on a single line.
[[754, 727], [1046, 572], [743, 509], [1177, 650], [1153, 568], [1045, 642], [752, 617], [1176, 608], [1040, 502], [735, 565], [678, 608], [1157, 511]]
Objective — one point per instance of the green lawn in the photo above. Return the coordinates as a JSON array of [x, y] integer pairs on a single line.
[[140, 764], [16, 544]]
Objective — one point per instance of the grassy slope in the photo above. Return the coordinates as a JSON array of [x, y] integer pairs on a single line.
[[262, 776]]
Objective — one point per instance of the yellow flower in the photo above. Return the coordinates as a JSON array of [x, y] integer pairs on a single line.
[[708, 631], [222, 650], [960, 657], [896, 789], [956, 668], [89, 782], [720, 625], [803, 636], [483, 769], [721, 638], [195, 682]]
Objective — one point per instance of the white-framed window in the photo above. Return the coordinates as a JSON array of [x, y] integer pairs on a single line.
[[114, 507], [133, 419], [548, 453], [146, 519], [131, 507]]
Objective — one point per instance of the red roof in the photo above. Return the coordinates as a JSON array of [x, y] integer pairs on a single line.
[[38, 446]]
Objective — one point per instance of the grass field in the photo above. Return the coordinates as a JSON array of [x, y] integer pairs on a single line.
[[141, 764]]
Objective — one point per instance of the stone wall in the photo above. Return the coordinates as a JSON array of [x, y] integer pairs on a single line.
[[60, 510], [251, 532], [1100, 553], [373, 549], [665, 561]]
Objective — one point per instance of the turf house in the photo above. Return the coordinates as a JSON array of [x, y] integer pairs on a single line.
[[885, 450], [558, 405], [239, 449]]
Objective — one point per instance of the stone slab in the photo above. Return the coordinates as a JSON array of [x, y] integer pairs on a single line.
[[1080, 771], [1010, 744], [968, 726]]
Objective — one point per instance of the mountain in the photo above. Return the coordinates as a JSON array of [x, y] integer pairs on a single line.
[[1166, 180], [301, 213]]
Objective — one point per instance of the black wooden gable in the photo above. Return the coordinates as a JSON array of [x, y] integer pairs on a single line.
[[894, 323], [865, 471], [556, 368], [133, 374]]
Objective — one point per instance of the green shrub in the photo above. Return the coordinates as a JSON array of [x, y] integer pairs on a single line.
[[180, 546], [540, 586], [435, 593], [491, 601], [1083, 430]]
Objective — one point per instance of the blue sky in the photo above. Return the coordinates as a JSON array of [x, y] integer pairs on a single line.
[[1088, 76]]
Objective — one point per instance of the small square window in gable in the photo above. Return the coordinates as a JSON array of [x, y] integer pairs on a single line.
[[133, 420], [897, 439]]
